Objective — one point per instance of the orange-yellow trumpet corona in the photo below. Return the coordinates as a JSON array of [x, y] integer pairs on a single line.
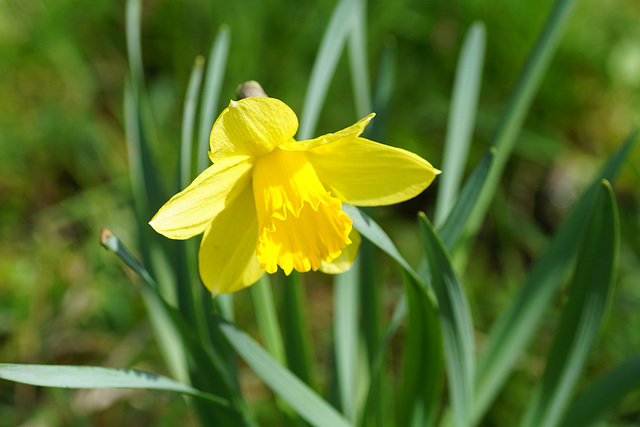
[[270, 201]]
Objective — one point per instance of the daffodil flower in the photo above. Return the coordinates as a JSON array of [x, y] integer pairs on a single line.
[[270, 201]]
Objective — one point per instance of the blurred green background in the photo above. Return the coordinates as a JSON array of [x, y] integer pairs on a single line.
[[64, 170]]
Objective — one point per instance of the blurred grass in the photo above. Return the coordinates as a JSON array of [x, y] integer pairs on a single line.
[[63, 167]]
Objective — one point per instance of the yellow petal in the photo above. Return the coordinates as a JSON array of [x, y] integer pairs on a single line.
[[227, 257], [343, 135], [367, 173], [253, 127], [346, 258], [300, 224], [189, 212]]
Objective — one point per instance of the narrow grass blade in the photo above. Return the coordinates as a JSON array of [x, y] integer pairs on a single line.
[[299, 396], [298, 346], [375, 392], [133, 17], [458, 216], [461, 119], [520, 101], [134, 48], [147, 192], [449, 235], [376, 410], [225, 305], [174, 329], [211, 93], [184, 257], [147, 189], [267, 322], [345, 331], [372, 231], [384, 89], [422, 366], [593, 403], [111, 242], [179, 343], [188, 122], [358, 60], [266, 318], [97, 377], [581, 317], [513, 329], [455, 324], [331, 47]]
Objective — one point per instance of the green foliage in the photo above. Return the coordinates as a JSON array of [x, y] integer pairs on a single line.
[[95, 377], [68, 172], [288, 386], [455, 324], [581, 317]]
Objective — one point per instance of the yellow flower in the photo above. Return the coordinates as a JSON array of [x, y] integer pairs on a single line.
[[269, 201]]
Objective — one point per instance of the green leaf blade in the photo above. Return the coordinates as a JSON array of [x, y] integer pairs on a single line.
[[357, 50], [293, 391], [520, 100], [461, 120], [88, 377], [188, 122], [211, 93], [345, 331], [449, 233], [266, 318], [513, 329], [592, 404], [455, 324], [422, 364], [461, 211], [134, 47], [331, 47], [298, 345], [376, 235], [581, 317], [179, 343]]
